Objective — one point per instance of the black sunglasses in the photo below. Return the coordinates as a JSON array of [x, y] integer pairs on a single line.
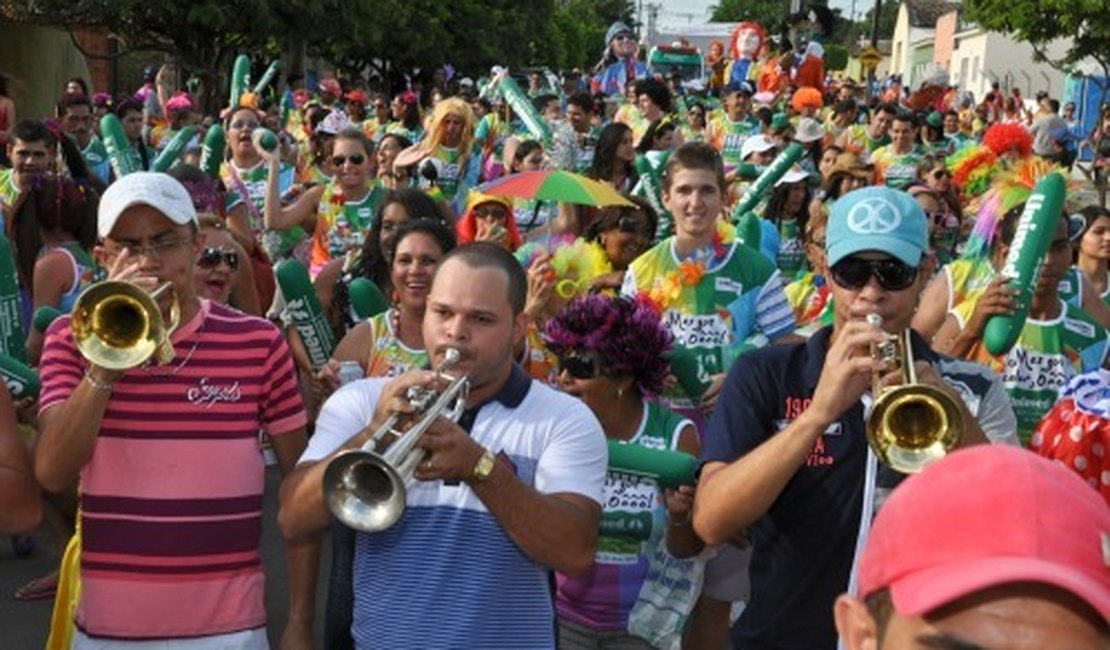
[[853, 273], [578, 367], [211, 257], [491, 212], [356, 159]]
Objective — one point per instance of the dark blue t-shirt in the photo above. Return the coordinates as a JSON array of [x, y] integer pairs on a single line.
[[804, 545]]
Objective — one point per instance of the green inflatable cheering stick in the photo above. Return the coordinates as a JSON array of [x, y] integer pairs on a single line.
[[669, 468], [212, 152], [119, 148], [1035, 229], [776, 170], [305, 310], [174, 149]]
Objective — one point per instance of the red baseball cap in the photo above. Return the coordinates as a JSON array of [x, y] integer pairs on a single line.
[[986, 516]]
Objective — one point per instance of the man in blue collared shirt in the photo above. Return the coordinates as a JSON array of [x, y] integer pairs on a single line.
[[786, 452], [510, 491]]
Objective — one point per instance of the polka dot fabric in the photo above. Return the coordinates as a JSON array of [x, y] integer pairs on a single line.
[[1076, 432]]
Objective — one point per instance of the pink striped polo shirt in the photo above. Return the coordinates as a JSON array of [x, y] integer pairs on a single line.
[[172, 497]]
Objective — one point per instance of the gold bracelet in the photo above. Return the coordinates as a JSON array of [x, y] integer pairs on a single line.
[[105, 387]]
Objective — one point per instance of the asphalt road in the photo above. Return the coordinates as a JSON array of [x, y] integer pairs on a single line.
[[25, 625]]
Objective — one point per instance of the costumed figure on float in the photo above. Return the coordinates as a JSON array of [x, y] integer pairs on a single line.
[[619, 64]]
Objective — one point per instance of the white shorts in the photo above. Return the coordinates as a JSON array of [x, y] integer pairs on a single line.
[[245, 640]]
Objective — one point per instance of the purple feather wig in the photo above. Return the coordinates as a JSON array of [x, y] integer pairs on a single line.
[[626, 334]]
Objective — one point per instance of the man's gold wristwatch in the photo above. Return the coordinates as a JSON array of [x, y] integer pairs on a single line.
[[484, 467]]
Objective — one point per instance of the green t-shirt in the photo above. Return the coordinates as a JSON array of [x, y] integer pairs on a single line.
[[1048, 353]]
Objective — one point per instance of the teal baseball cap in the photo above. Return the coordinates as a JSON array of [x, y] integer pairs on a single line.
[[877, 219]]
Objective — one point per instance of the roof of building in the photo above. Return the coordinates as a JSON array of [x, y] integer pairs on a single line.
[[924, 13]]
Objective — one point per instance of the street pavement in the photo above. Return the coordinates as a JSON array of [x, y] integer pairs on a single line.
[[25, 625]]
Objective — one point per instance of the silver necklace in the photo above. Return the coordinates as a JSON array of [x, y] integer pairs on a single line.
[[148, 366]]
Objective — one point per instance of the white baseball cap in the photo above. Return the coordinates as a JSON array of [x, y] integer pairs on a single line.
[[792, 175], [160, 191], [755, 144]]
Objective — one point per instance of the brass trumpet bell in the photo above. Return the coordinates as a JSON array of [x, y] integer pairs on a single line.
[[913, 424], [367, 490], [116, 325]]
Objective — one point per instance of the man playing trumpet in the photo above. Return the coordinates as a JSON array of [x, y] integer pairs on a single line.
[[171, 474], [787, 458], [509, 491]]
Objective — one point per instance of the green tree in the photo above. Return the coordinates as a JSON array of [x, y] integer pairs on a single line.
[[1082, 25], [861, 29], [768, 13], [836, 57]]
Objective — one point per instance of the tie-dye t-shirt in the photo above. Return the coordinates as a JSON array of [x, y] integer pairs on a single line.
[[634, 516], [728, 137], [712, 307], [967, 277]]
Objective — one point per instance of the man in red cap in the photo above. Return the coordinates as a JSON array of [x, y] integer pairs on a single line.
[[1022, 560]]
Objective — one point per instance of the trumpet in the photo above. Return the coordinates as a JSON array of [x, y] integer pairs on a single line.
[[119, 326], [366, 490], [913, 424]]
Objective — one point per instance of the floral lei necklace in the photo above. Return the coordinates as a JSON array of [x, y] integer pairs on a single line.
[[689, 273]]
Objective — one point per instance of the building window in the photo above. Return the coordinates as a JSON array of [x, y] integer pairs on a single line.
[[975, 70], [963, 72]]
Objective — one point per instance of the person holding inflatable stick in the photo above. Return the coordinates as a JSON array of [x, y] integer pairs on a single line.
[[611, 354], [1018, 324]]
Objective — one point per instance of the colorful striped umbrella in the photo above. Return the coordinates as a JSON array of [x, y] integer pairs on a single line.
[[556, 185]]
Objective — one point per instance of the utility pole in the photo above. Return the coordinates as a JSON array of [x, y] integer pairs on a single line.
[[875, 23]]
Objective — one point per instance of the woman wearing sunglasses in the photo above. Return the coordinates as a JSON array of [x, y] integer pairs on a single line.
[[624, 233], [611, 354], [489, 218], [337, 214], [248, 178], [221, 273], [944, 227], [694, 128], [933, 172]]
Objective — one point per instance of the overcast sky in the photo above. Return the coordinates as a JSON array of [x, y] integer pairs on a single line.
[[685, 12]]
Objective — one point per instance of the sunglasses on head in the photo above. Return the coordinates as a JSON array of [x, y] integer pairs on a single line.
[[854, 273], [211, 257], [578, 367], [356, 159]]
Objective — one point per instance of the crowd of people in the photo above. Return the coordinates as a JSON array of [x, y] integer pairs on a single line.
[[769, 239]]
